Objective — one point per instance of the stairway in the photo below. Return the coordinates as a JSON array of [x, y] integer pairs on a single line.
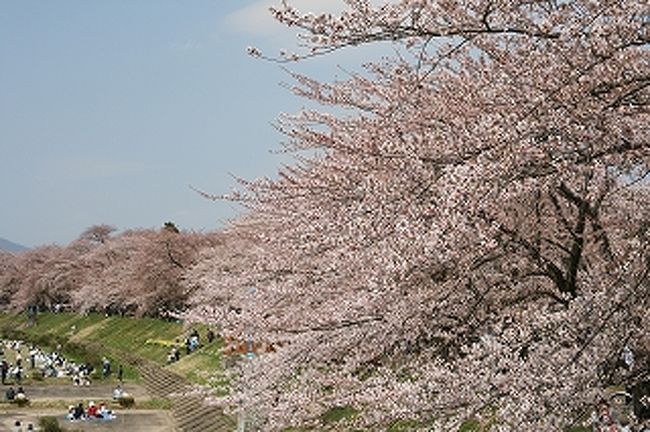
[[189, 411]]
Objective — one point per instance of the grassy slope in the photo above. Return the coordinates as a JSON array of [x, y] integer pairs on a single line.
[[204, 367], [145, 337]]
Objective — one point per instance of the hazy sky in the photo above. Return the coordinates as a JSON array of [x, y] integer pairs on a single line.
[[110, 110]]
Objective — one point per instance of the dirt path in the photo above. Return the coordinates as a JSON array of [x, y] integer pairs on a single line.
[[126, 421], [67, 392]]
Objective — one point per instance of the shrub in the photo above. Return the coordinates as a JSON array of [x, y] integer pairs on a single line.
[[470, 425], [21, 400], [126, 401], [338, 413], [80, 351], [49, 424]]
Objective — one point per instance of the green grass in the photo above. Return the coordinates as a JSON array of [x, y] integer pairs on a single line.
[[470, 425], [155, 404], [203, 366], [410, 425], [339, 413], [133, 335], [90, 337], [116, 333]]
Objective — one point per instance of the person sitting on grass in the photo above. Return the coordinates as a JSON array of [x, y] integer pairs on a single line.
[[18, 373], [118, 392], [20, 396], [79, 413], [70, 414], [81, 379], [104, 413], [10, 394], [21, 399], [92, 410]]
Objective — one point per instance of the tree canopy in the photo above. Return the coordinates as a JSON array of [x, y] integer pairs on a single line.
[[470, 236]]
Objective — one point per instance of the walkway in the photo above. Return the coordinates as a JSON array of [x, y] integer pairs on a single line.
[[190, 412], [127, 420], [69, 392]]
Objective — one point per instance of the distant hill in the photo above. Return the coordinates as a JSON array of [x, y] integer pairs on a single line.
[[9, 246]]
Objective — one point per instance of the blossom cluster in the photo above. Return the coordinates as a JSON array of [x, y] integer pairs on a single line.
[[468, 238]]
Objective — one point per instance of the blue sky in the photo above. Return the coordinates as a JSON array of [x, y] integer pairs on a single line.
[[110, 110]]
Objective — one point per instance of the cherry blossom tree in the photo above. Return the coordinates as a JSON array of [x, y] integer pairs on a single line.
[[8, 277], [42, 277], [157, 285], [469, 238], [98, 233], [140, 271]]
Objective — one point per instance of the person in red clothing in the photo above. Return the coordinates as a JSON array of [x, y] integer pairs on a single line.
[[92, 410]]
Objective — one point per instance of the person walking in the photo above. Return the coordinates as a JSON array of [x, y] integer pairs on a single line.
[[32, 357], [106, 367], [4, 369]]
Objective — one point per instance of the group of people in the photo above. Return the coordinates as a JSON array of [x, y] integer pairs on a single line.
[[107, 371], [14, 395], [94, 412], [192, 342], [8, 370], [47, 364], [174, 354], [606, 419], [18, 427]]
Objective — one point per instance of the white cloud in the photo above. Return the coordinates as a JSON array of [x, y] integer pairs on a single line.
[[256, 19], [272, 37], [186, 45]]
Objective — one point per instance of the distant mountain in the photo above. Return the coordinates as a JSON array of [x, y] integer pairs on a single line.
[[12, 247]]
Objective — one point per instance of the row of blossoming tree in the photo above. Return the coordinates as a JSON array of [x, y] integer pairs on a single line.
[[137, 272], [464, 233], [465, 229]]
